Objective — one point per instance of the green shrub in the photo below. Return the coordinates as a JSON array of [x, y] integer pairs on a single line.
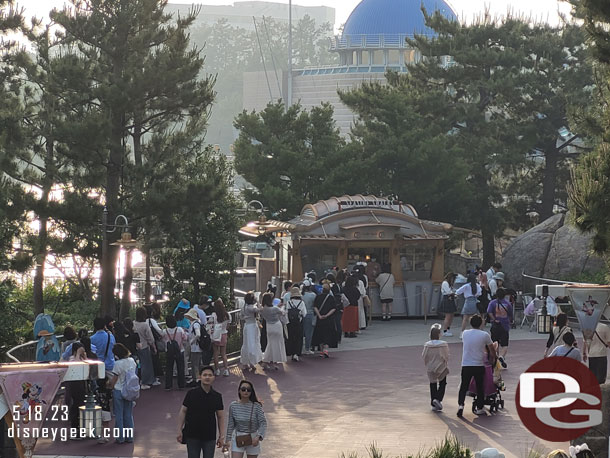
[[449, 447]]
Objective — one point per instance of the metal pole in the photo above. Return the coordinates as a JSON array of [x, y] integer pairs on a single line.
[[103, 274], [289, 89]]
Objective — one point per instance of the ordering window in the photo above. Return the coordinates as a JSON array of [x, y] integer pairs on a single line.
[[319, 258], [416, 262]]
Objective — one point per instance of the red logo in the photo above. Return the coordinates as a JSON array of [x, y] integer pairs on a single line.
[[559, 399]]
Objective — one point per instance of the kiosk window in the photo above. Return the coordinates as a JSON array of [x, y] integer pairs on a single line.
[[416, 262], [319, 258]]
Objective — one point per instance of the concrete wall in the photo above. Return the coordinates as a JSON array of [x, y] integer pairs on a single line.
[[240, 13], [312, 90]]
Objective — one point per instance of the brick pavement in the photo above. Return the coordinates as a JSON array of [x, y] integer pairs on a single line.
[[320, 408]]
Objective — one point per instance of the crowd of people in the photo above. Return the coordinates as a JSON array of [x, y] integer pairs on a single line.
[[307, 318], [487, 300]]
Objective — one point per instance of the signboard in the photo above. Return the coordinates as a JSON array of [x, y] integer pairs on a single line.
[[589, 303]]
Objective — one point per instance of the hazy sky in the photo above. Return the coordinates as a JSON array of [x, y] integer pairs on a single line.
[[541, 9]]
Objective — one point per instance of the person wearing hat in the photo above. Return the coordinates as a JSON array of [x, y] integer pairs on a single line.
[[194, 335], [297, 311], [497, 281]]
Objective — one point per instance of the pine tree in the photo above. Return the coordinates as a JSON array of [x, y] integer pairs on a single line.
[[288, 155], [142, 77], [590, 186]]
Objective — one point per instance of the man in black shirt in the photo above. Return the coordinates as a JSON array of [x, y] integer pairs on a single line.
[[201, 413]]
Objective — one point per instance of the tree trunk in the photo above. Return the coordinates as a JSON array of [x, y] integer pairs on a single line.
[[489, 247], [549, 182], [41, 245], [127, 281], [110, 253], [147, 286], [41, 257]]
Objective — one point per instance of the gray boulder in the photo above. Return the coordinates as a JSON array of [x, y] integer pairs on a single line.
[[552, 249], [570, 254]]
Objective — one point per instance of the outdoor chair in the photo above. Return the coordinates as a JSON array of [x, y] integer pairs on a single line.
[[529, 313]]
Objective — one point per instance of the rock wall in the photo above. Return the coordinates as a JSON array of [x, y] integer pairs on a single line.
[[597, 437], [552, 249]]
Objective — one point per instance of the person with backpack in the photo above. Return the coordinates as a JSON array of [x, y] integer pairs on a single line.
[[296, 311], [146, 348], [569, 349], [175, 339], [275, 352], [500, 313], [125, 390], [196, 331], [154, 314]]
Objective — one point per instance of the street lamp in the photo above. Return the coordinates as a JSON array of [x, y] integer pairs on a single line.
[[120, 222]]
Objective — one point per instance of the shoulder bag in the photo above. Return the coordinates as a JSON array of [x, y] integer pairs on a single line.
[[314, 320], [246, 439]]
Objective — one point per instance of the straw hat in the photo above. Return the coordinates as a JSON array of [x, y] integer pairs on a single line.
[[192, 314], [295, 292]]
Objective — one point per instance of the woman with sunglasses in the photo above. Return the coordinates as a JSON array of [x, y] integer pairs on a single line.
[[246, 417]]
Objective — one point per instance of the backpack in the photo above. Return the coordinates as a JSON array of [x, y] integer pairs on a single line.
[[204, 341], [131, 387], [294, 314], [172, 346]]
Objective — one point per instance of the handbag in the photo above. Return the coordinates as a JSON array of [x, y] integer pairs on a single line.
[[217, 333], [246, 439]]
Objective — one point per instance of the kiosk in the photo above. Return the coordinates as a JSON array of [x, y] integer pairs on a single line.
[[343, 231]]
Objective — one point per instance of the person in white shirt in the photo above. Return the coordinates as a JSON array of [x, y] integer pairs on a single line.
[[447, 305], [203, 319], [568, 349], [194, 335], [123, 409], [495, 267], [471, 291], [497, 281], [386, 281], [597, 353], [220, 320], [475, 342]]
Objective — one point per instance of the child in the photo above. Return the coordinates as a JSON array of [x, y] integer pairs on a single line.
[[436, 356]]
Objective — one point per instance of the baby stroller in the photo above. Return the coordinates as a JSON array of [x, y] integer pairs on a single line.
[[493, 385]]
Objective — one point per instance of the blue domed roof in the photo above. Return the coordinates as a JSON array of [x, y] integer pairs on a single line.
[[393, 17]]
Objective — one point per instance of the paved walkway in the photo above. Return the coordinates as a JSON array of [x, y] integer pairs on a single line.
[[373, 390]]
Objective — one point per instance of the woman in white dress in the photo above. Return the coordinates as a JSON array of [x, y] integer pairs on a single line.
[[251, 353], [275, 352]]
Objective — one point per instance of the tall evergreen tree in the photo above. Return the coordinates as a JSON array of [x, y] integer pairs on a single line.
[[142, 76], [403, 135], [590, 186], [479, 77], [12, 209], [289, 155]]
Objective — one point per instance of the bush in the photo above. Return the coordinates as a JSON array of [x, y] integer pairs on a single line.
[[450, 447]]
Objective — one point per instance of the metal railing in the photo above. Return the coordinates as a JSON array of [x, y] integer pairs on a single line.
[[375, 41], [27, 351]]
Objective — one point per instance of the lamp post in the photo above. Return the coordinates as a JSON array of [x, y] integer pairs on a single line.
[[106, 289]]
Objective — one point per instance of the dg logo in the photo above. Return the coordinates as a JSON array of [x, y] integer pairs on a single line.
[[559, 399]]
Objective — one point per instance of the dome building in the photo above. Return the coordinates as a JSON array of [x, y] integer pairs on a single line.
[[372, 41]]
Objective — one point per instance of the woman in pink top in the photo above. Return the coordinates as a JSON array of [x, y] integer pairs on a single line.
[[175, 339]]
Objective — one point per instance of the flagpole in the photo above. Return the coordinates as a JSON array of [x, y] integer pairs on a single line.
[[289, 89]]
